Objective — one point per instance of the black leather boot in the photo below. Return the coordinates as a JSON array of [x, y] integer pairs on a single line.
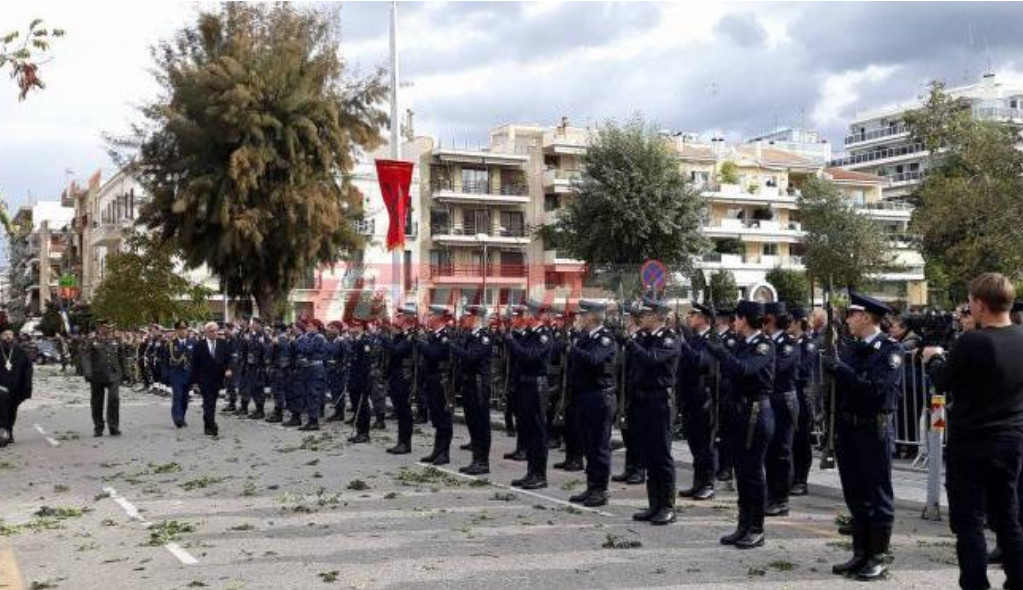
[[874, 567], [859, 538], [653, 506]]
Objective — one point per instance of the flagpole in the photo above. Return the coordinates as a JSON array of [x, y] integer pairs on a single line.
[[398, 253]]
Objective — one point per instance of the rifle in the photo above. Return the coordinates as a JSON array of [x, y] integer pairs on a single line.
[[714, 374], [451, 377], [623, 375], [828, 386], [559, 410]]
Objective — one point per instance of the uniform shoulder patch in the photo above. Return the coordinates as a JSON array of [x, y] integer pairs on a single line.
[[365, 348], [544, 338], [895, 360], [605, 341], [730, 343], [763, 348], [485, 340], [787, 349], [669, 341], [810, 346]]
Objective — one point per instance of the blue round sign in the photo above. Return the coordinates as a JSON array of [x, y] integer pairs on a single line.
[[653, 274]]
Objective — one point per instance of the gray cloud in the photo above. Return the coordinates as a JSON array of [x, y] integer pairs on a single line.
[[743, 29]]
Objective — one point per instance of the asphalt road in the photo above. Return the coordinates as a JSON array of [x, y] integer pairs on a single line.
[[268, 507]]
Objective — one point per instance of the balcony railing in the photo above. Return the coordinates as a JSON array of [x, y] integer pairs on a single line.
[[997, 113], [473, 271], [751, 260], [885, 206], [754, 224], [906, 177], [874, 155], [875, 134], [480, 187], [472, 230]]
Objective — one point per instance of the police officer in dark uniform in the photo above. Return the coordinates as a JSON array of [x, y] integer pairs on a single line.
[[591, 366], [634, 471], [435, 354], [751, 371], [802, 443], [726, 400], [231, 339], [868, 380], [360, 365], [566, 423], [699, 386], [517, 330], [398, 347], [310, 355], [784, 405], [333, 362], [295, 392], [473, 353], [654, 351], [531, 355], [280, 371]]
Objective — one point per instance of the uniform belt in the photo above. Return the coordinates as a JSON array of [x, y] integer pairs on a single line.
[[309, 363], [860, 420], [331, 363]]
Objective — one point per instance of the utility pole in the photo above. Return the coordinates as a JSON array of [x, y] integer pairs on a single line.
[[398, 254]]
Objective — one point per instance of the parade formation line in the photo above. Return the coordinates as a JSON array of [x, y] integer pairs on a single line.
[[53, 442]]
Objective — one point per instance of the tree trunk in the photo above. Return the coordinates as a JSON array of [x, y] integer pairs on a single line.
[[266, 300]]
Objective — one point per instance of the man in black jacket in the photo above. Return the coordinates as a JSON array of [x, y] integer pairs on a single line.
[[210, 366], [984, 379], [15, 384]]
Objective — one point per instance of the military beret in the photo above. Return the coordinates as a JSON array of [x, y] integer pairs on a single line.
[[750, 309], [775, 308], [477, 310], [705, 309], [592, 306], [860, 302]]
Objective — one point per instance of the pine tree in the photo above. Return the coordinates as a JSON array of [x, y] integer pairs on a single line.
[[246, 153]]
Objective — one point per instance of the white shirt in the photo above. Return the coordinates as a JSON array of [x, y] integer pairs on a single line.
[[870, 339], [753, 336], [213, 346]]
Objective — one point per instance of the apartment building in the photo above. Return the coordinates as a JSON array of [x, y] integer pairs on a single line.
[[37, 254], [878, 141]]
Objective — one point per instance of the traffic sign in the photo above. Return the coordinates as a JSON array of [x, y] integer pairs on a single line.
[[653, 274]]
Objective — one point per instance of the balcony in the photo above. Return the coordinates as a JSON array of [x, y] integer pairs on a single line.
[[497, 274], [109, 233], [754, 230], [891, 210], [905, 178], [1001, 114], [883, 156], [562, 261], [568, 141], [736, 194], [561, 181], [472, 234], [514, 193], [740, 262], [876, 134]]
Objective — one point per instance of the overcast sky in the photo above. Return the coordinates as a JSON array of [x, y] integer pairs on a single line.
[[727, 68]]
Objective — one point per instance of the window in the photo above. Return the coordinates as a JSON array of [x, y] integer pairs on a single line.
[[440, 221], [475, 180], [551, 203], [770, 250], [476, 221], [513, 222]]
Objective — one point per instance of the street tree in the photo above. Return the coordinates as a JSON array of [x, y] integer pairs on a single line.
[[969, 207], [143, 285], [23, 53], [247, 151], [792, 286], [633, 204], [843, 247], [723, 292]]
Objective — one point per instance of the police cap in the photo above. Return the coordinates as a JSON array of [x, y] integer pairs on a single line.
[[440, 310], [750, 309], [860, 302], [651, 305], [799, 313], [704, 308], [476, 310], [776, 308], [592, 306]]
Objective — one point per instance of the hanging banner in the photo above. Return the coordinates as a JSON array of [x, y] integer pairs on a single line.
[[395, 181]]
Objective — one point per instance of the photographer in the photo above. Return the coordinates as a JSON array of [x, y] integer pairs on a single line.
[[984, 379]]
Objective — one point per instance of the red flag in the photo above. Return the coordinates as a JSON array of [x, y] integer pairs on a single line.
[[395, 181]]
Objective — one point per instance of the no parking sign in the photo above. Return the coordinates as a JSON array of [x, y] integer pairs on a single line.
[[653, 274]]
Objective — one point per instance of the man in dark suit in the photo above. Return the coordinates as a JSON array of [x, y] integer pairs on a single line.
[[211, 360]]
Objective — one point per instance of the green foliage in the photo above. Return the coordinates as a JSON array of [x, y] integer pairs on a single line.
[[723, 290], [142, 285], [247, 151], [969, 208], [842, 246], [21, 53], [51, 323], [792, 286], [633, 203], [729, 173]]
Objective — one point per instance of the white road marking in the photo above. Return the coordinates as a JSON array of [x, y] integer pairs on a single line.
[[133, 513], [53, 442], [521, 491]]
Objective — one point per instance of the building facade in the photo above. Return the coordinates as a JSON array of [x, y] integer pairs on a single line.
[[878, 141]]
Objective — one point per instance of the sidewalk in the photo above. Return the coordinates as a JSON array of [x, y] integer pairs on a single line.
[[910, 485]]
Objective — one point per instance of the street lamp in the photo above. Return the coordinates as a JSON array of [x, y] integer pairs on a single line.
[[482, 239]]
